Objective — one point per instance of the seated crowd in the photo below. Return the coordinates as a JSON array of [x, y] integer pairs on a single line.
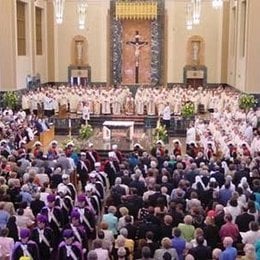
[[153, 204]]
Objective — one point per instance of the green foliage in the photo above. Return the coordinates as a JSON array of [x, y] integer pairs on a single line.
[[247, 101], [85, 132], [76, 143], [160, 132], [10, 99], [188, 109]]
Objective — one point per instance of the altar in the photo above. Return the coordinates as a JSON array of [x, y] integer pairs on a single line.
[[109, 125]]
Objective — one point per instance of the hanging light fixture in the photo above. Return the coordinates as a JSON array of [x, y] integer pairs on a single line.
[[82, 10], [58, 9], [189, 18], [217, 4], [196, 11]]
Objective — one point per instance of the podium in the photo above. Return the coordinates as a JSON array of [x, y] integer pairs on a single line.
[[79, 75], [47, 136], [195, 75]]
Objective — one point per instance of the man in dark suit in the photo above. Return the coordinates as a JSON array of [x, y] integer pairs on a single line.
[[130, 228], [92, 156], [243, 220], [83, 169], [37, 204], [111, 168], [154, 197], [200, 251]]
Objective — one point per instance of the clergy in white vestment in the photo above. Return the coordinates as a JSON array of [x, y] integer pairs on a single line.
[[129, 105], [73, 101], [166, 115], [255, 145], [97, 105], [48, 105], [191, 134], [139, 104], [150, 105], [85, 112], [249, 133], [25, 103], [63, 101], [116, 105], [106, 110], [33, 101]]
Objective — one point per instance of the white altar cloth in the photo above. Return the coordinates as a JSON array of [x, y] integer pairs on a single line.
[[107, 125]]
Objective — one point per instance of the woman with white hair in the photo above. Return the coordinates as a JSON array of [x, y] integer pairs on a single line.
[[121, 222], [250, 254], [230, 252], [166, 247]]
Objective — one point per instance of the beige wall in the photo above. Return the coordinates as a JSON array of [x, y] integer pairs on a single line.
[[253, 48], [13, 68], [210, 29], [32, 64], [95, 33], [243, 68], [7, 46]]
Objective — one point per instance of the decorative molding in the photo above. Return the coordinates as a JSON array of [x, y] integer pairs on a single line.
[[136, 10]]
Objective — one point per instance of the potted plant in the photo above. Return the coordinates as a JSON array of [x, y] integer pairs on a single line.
[[85, 132], [188, 110], [10, 99], [160, 133], [246, 102]]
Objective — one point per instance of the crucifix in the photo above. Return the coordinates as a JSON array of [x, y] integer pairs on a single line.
[[137, 44]]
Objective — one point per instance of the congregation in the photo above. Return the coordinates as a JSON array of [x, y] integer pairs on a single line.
[[156, 204]]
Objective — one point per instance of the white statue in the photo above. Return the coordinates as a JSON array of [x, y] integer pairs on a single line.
[[195, 51], [79, 47]]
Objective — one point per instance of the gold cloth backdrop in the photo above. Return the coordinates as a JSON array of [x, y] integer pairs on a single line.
[[129, 28]]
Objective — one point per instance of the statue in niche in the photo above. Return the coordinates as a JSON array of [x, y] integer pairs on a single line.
[[195, 51], [79, 51]]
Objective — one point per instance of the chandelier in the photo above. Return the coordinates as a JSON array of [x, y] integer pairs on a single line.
[[189, 16], [58, 9], [82, 10], [217, 4], [196, 11]]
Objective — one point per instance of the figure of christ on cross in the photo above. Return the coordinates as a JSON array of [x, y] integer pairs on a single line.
[[137, 44]]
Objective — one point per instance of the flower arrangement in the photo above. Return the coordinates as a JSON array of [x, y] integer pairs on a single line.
[[188, 109], [76, 144], [10, 99], [247, 101], [85, 132], [160, 133]]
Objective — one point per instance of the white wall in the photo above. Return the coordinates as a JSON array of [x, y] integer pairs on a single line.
[[210, 29]]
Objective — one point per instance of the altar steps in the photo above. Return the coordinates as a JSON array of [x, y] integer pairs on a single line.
[[178, 125]]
